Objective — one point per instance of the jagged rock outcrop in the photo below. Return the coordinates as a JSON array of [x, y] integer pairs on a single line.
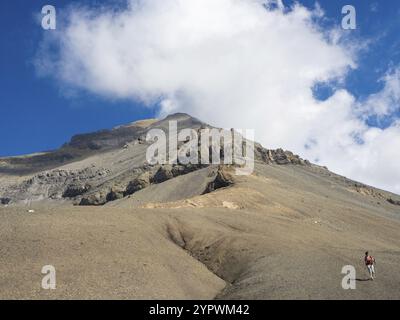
[[5, 201], [222, 179], [163, 174], [116, 192], [281, 157], [394, 202], [56, 184], [75, 190], [98, 198], [138, 183]]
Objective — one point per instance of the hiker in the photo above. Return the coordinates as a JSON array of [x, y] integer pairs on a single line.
[[369, 262]]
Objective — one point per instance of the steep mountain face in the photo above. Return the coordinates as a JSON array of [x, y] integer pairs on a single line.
[[116, 226], [95, 168]]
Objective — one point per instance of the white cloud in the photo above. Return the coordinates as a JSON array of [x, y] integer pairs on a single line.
[[233, 63], [386, 101]]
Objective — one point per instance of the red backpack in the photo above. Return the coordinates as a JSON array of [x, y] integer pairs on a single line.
[[369, 260]]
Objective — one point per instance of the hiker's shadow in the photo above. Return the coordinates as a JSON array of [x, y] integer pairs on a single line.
[[364, 279]]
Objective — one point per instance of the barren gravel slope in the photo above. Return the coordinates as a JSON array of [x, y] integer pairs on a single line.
[[285, 232]]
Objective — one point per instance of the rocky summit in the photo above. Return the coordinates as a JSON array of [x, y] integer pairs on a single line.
[[96, 168]]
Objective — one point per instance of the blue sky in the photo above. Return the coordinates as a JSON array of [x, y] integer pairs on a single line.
[[37, 114]]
